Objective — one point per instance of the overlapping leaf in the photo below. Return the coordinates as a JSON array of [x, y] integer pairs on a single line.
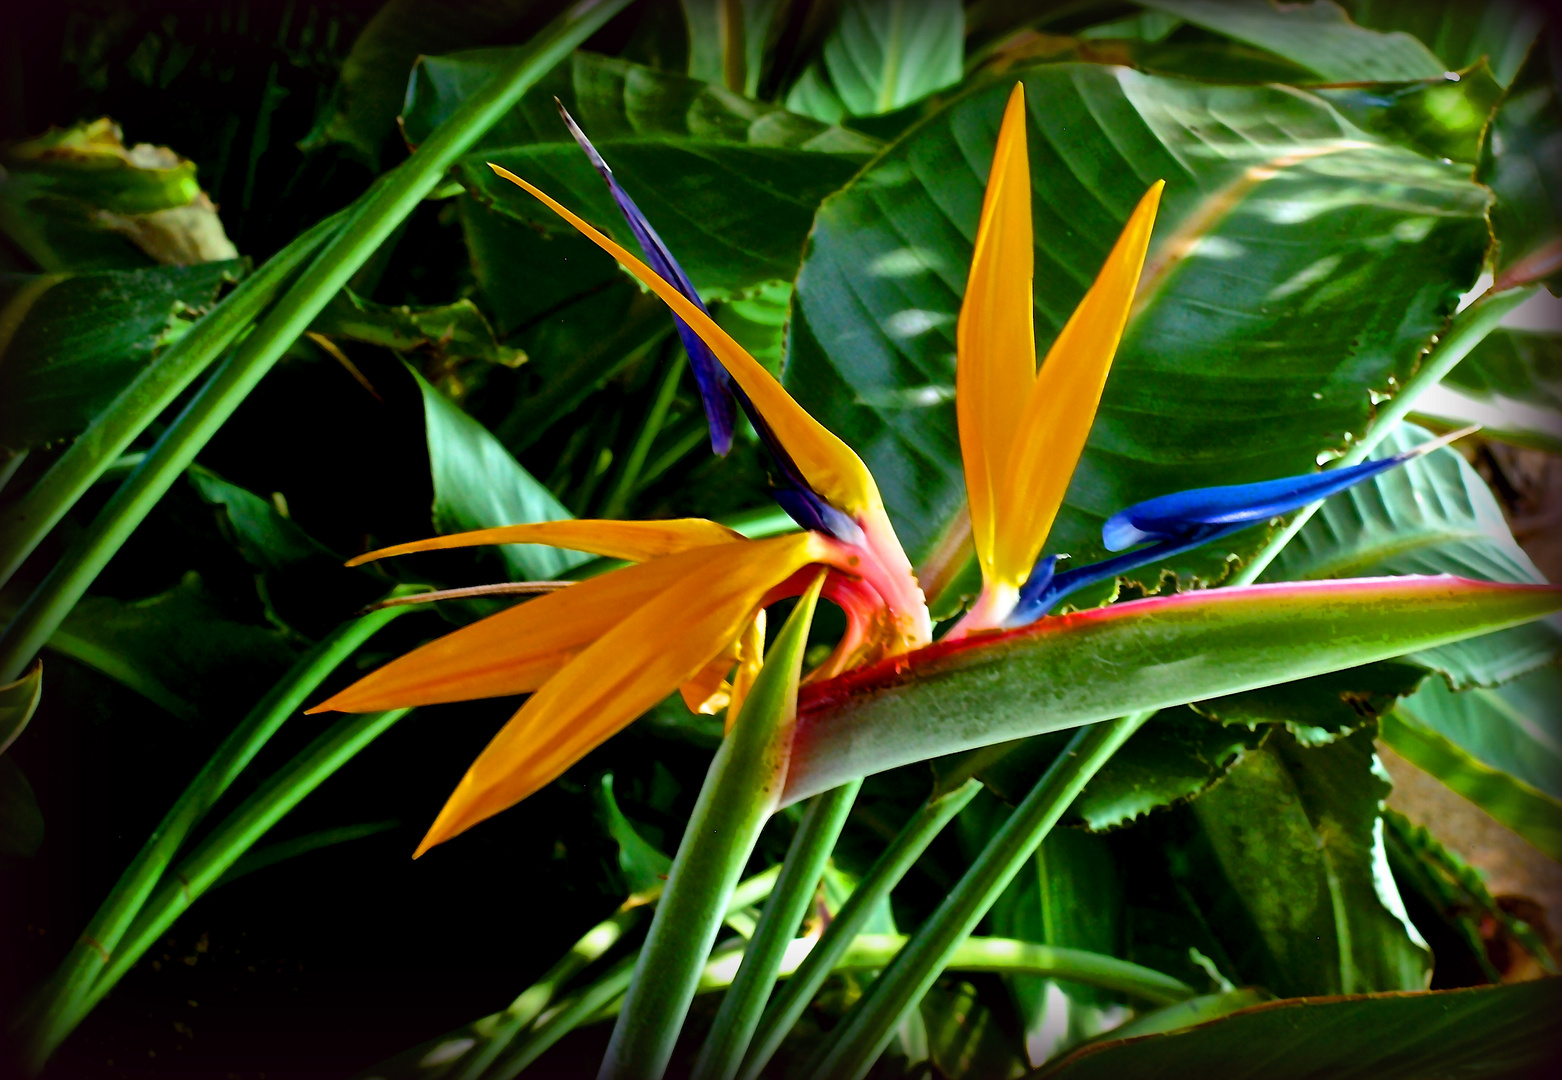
[[1489, 1032], [1318, 35], [1296, 261], [71, 342], [1432, 516], [478, 485], [1291, 871]]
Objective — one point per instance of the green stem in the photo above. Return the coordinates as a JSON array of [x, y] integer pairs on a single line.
[[51, 1017], [886, 872], [537, 997], [373, 219], [799, 882], [1467, 330], [569, 1015], [740, 793], [655, 417], [861, 1036], [26, 523], [871, 952], [198, 872], [495, 1032]]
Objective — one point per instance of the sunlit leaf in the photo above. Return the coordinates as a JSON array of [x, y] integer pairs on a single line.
[[1264, 250], [1317, 34], [1434, 515], [1500, 747]]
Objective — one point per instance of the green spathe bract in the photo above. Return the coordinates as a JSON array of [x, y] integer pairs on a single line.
[[742, 790], [1159, 652]]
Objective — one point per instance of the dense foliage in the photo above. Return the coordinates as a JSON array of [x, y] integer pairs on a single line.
[[264, 307]]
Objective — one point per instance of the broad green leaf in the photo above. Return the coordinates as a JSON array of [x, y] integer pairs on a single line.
[[1173, 757], [1434, 515], [449, 331], [1460, 33], [78, 199], [643, 866], [478, 485], [1289, 241], [18, 701], [1516, 727], [735, 215], [1186, 1014], [1291, 872], [1501, 748], [1316, 34], [1150, 654], [177, 649], [1510, 384], [612, 99], [1319, 709], [264, 537], [361, 114], [1444, 117], [1480, 1033], [885, 54], [21, 822], [1070, 895], [70, 342], [1520, 162]]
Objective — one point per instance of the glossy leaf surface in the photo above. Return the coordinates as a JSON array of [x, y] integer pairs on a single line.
[[1499, 747], [1318, 35], [1460, 33], [479, 485], [1430, 516], [1262, 252], [1291, 871], [74, 341], [1497, 1031], [612, 98], [755, 204]]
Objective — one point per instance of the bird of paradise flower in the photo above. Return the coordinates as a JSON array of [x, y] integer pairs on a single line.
[[688, 615]]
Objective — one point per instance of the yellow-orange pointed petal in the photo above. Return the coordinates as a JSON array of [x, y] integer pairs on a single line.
[[829, 466], [995, 340], [1061, 406], [751, 657], [517, 650], [635, 541], [709, 691], [632, 667]]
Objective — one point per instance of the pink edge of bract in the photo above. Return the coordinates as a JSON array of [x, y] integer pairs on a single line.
[[819, 697]]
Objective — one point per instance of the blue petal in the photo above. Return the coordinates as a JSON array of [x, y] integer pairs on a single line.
[[715, 385], [1041, 593], [1182, 515]]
